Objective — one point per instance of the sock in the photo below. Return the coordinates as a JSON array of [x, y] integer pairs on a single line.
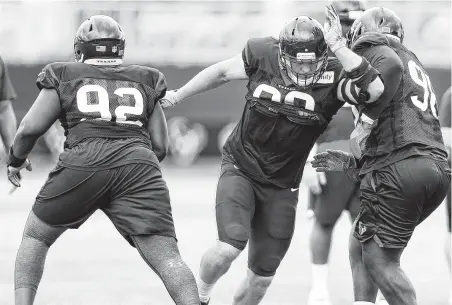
[[320, 277], [363, 303], [204, 290]]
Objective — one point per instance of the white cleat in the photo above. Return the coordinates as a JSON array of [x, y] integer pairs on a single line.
[[316, 298]]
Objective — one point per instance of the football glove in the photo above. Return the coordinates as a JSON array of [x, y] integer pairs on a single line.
[[333, 30], [170, 99], [334, 161]]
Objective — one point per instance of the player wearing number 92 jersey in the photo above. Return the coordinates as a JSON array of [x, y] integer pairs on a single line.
[[116, 135]]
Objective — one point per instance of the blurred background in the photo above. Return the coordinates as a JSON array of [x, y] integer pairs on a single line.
[[181, 37], [94, 265]]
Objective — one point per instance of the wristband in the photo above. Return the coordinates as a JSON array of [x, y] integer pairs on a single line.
[[14, 161]]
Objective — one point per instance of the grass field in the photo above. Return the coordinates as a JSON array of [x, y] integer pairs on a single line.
[[95, 266]]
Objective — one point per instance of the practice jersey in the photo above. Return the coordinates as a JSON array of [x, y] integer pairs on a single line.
[[105, 112], [280, 121], [406, 115]]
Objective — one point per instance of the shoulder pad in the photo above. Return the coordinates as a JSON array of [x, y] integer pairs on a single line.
[[370, 39], [333, 71], [261, 53], [50, 75], [151, 77]]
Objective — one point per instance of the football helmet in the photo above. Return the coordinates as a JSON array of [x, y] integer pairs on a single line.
[[376, 20], [303, 52], [348, 11], [99, 37]]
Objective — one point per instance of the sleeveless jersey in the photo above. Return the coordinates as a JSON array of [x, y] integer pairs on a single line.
[[280, 121], [408, 125], [105, 112]]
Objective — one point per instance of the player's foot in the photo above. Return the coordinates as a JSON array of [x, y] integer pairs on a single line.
[[205, 303], [318, 298]]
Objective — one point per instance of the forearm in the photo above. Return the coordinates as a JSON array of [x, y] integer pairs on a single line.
[[349, 59], [208, 79], [8, 123], [23, 144]]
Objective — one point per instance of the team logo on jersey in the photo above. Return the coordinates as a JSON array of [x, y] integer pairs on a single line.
[[114, 49], [361, 228], [326, 78]]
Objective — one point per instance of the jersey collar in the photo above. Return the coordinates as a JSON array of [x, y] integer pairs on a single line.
[[104, 61]]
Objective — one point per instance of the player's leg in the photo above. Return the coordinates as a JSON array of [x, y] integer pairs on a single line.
[[448, 241], [364, 288], [405, 193], [30, 260], [448, 204], [140, 209], [328, 207], [234, 210], [272, 229], [66, 200], [161, 253]]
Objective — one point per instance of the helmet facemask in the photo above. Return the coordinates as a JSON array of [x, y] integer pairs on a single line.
[[302, 67]]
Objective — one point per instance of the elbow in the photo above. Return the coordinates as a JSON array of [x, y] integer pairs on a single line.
[[375, 90], [161, 151], [161, 154]]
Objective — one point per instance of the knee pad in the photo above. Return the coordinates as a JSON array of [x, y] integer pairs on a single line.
[[232, 223], [236, 235], [265, 266], [39, 230]]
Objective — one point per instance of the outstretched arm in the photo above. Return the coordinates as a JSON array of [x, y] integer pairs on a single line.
[[208, 79], [365, 77]]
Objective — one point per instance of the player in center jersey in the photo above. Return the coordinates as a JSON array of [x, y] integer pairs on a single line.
[[116, 135], [292, 95]]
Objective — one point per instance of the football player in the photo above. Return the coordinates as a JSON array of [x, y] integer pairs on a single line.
[[333, 192], [8, 122], [116, 135], [399, 155], [445, 118], [292, 95]]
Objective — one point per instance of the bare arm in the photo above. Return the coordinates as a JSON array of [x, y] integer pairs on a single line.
[[158, 131], [213, 77], [8, 123], [42, 114]]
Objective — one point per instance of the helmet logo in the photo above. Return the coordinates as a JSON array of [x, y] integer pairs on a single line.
[[101, 48], [301, 56], [386, 30]]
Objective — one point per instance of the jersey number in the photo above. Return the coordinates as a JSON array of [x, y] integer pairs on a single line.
[[289, 99], [103, 107], [422, 79]]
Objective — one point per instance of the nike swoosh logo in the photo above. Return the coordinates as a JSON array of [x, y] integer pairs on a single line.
[[236, 167], [294, 190]]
